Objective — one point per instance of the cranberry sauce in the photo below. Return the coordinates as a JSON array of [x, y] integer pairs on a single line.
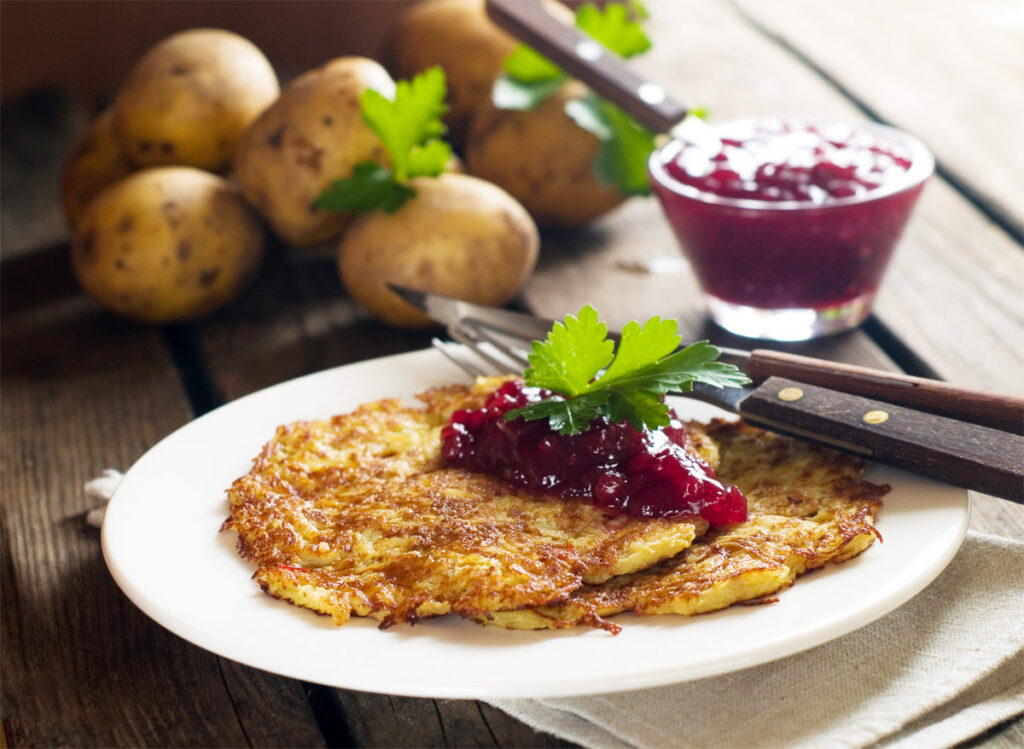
[[789, 214], [612, 466]]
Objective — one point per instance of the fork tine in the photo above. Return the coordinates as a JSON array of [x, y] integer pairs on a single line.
[[515, 354], [457, 356], [491, 354]]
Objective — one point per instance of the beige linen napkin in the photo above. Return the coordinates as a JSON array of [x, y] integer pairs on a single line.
[[941, 669]]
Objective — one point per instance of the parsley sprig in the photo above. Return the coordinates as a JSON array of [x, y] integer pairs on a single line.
[[590, 378], [410, 127], [529, 78]]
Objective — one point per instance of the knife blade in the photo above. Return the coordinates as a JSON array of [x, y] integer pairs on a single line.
[[993, 410]]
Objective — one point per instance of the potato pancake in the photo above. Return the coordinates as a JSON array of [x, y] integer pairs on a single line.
[[808, 506], [358, 515]]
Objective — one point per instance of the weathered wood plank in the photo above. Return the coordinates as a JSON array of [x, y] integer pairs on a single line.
[[82, 666], [296, 319], [950, 72], [387, 721]]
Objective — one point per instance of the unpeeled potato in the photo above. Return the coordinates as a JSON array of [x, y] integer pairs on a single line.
[[166, 244], [96, 162], [190, 97], [458, 36], [460, 236], [312, 135], [543, 159]]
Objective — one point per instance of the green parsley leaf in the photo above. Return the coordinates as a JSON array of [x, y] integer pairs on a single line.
[[639, 10], [640, 408], [641, 347], [590, 379], [429, 160], [625, 145], [574, 352], [410, 128], [613, 28], [371, 186], [566, 416], [527, 65], [510, 93], [411, 119]]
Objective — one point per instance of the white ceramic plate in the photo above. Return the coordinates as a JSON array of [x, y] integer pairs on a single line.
[[162, 545]]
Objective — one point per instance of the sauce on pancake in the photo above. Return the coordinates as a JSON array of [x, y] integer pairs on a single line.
[[622, 470]]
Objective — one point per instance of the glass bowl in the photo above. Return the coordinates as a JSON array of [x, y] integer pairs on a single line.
[[782, 268]]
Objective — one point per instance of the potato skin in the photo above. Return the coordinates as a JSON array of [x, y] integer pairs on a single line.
[[460, 236], [96, 162], [190, 98], [313, 134], [543, 159], [167, 244], [458, 36]]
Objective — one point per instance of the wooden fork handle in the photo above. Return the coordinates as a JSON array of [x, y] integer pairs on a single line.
[[994, 410], [584, 58]]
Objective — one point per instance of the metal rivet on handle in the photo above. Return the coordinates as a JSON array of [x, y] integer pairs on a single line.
[[876, 417], [791, 394], [588, 49], [651, 93]]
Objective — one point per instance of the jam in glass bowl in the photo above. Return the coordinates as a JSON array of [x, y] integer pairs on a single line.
[[789, 225]]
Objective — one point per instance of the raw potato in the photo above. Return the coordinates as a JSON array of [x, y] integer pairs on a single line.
[[167, 244], [458, 36], [459, 236], [312, 135], [543, 159], [97, 162], [190, 98]]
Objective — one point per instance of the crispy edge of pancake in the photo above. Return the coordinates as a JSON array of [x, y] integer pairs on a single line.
[[277, 526], [808, 506]]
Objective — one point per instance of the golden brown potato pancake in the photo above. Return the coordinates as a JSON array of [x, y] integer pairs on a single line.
[[359, 516], [808, 506]]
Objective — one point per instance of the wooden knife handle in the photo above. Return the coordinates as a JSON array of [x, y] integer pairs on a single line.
[[586, 59], [976, 406], [967, 455]]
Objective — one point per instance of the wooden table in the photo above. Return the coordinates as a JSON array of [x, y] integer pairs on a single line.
[[83, 391]]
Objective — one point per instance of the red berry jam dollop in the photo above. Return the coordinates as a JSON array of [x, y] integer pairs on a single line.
[[611, 465]]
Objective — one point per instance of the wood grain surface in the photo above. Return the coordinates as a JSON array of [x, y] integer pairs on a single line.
[[949, 72], [83, 391]]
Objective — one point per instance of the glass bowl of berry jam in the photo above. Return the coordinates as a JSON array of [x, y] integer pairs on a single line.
[[790, 225]]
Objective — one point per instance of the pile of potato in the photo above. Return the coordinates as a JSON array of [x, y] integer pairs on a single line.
[[158, 236], [541, 157], [169, 191]]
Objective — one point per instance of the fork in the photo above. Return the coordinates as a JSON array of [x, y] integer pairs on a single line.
[[964, 454]]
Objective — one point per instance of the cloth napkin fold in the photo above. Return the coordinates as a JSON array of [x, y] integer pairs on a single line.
[[941, 669]]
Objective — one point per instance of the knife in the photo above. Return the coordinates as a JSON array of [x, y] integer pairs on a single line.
[[606, 73], [961, 453], [994, 410]]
